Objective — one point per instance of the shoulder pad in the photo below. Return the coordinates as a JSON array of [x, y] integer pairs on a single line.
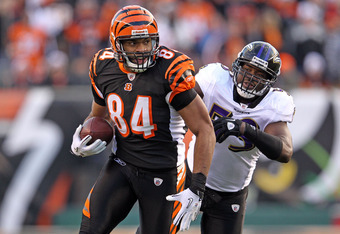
[[100, 60]]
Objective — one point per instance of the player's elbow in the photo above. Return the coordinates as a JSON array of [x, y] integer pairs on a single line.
[[211, 131], [206, 132], [286, 155], [283, 159]]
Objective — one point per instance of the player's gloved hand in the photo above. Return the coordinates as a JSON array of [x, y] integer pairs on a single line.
[[191, 200], [226, 126], [79, 146]]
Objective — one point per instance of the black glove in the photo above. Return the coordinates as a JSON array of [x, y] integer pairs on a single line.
[[226, 126]]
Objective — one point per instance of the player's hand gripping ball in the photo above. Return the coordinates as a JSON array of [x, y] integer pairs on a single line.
[[97, 128]]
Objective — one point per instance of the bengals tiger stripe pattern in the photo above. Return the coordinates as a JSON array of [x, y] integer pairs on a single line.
[[130, 21]]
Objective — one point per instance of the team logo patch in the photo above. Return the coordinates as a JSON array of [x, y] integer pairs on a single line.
[[131, 76], [128, 87], [235, 207], [189, 78], [244, 106], [157, 181]]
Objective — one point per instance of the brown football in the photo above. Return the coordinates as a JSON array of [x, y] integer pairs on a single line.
[[98, 128]]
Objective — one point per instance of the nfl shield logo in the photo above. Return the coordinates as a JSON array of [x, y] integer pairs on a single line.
[[157, 181], [235, 207], [131, 76]]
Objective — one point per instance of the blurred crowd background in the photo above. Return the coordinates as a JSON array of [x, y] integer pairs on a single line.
[[51, 42]]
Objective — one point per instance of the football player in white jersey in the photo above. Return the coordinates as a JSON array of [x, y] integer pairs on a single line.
[[250, 118]]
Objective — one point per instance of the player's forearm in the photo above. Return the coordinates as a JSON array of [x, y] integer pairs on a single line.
[[273, 147], [204, 149]]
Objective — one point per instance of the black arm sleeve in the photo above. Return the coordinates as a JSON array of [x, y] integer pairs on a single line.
[[183, 99], [271, 146]]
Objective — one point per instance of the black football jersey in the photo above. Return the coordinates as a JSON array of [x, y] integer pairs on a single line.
[[149, 130]]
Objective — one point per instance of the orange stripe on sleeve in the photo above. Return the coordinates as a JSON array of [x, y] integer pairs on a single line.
[[176, 72], [182, 57], [95, 63], [92, 74]]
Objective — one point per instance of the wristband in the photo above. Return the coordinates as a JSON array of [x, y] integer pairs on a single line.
[[269, 145], [198, 184]]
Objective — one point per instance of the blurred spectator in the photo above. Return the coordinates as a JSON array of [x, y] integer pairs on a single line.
[[308, 33], [164, 11], [332, 43], [271, 27], [58, 62], [82, 34], [290, 76], [26, 50], [193, 20], [208, 31], [87, 34], [231, 48], [50, 16], [314, 66]]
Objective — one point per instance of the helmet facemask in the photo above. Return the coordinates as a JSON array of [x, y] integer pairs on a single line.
[[137, 61], [262, 56], [130, 23], [250, 85]]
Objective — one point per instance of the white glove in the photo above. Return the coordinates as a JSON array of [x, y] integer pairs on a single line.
[[191, 204], [80, 148]]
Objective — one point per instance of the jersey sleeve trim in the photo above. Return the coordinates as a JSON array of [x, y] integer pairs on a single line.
[[93, 74], [99, 100], [179, 75], [94, 64]]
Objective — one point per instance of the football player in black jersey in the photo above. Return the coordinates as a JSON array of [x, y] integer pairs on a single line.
[[146, 90]]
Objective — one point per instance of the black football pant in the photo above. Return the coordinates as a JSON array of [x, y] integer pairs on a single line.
[[119, 186], [223, 213]]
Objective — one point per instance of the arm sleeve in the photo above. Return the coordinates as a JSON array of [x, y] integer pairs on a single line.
[[269, 145], [180, 75], [183, 99]]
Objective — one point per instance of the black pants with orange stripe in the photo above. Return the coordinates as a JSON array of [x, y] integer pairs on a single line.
[[119, 186], [223, 212]]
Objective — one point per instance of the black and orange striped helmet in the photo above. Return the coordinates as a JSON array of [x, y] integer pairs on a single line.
[[134, 22]]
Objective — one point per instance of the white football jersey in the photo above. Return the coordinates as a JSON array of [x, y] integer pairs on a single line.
[[235, 159]]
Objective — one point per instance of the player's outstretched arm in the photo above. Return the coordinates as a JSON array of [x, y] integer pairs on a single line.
[[275, 141], [281, 132]]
